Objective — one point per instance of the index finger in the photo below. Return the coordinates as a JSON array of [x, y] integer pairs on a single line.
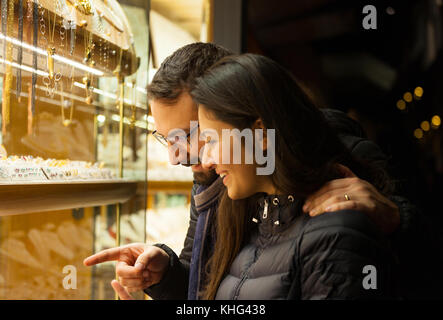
[[102, 256]]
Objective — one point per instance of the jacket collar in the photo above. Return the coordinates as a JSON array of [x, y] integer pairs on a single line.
[[276, 212]]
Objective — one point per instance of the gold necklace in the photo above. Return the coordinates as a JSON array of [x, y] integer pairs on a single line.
[[88, 78], [67, 122], [8, 72], [51, 49]]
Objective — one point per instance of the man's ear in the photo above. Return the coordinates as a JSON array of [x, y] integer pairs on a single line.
[[263, 142]]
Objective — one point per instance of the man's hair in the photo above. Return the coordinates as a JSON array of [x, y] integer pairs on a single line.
[[178, 72]]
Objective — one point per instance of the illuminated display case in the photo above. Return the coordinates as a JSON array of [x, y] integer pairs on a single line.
[[73, 143], [79, 171]]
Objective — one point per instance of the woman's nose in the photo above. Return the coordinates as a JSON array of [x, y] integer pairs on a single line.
[[207, 160]]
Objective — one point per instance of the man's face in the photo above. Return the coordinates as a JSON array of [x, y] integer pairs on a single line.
[[178, 115]]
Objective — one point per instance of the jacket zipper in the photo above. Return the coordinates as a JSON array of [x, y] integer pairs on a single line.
[[201, 252], [257, 255], [246, 273], [265, 210]]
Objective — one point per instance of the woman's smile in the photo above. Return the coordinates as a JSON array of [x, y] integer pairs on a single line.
[[224, 175]]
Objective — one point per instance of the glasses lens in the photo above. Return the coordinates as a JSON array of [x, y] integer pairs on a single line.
[[178, 139], [160, 138]]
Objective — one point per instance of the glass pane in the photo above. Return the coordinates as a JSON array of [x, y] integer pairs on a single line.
[[73, 144]]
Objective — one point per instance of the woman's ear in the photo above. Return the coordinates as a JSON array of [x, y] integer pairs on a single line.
[[260, 139]]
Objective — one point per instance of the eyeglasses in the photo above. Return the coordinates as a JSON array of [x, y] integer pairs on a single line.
[[165, 141]]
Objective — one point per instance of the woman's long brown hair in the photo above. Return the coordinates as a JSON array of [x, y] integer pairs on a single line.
[[241, 89]]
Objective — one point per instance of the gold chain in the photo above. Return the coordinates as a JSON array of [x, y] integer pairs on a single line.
[[8, 74], [51, 49], [66, 122], [51, 34]]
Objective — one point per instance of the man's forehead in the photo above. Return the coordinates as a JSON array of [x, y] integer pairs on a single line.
[[170, 116]]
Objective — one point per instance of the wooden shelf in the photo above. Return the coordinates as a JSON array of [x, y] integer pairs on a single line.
[[28, 197]]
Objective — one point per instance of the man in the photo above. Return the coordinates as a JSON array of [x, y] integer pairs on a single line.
[[157, 269]]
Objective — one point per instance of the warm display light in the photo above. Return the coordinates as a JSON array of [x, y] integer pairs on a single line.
[[418, 133], [418, 92], [425, 125], [407, 97], [401, 105], [436, 121]]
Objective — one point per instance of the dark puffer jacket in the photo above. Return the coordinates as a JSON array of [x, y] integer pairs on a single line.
[[300, 257]]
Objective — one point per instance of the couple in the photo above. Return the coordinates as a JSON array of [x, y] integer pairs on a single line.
[[321, 226]]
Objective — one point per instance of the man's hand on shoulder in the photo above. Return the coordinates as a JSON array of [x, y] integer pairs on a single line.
[[353, 193]]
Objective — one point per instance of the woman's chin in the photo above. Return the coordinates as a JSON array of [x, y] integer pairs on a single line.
[[234, 195]]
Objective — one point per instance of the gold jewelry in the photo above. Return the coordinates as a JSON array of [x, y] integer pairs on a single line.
[[51, 49], [20, 50], [66, 122], [34, 54], [72, 39], [88, 79], [51, 80], [30, 108], [72, 106], [84, 6], [347, 197], [8, 73], [32, 16], [4, 7]]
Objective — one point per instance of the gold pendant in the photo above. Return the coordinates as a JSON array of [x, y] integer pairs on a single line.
[[89, 99], [132, 121], [86, 82], [87, 56], [50, 60], [84, 6]]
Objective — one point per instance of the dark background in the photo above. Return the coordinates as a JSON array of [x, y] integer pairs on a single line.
[[365, 73]]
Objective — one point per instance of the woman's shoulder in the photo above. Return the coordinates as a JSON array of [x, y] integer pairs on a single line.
[[333, 252], [340, 221]]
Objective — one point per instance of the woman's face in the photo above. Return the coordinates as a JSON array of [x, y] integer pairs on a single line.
[[240, 179]]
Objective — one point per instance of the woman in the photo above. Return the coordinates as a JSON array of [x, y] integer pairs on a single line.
[[266, 248]]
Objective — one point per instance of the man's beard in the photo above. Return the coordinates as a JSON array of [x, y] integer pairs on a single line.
[[205, 178]]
